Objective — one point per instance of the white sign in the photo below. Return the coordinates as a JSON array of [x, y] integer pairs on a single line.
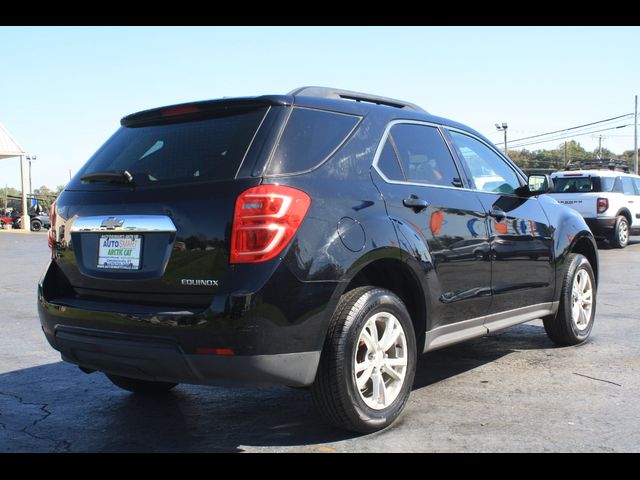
[[120, 252]]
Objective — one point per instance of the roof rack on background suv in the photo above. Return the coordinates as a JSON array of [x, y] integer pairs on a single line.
[[600, 164], [327, 92]]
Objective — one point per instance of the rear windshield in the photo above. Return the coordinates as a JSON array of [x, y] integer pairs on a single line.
[[309, 138], [210, 149], [582, 184]]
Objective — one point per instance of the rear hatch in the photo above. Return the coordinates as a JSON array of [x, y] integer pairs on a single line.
[[150, 223], [579, 191]]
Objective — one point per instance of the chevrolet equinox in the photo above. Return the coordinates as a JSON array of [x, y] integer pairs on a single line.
[[321, 239]]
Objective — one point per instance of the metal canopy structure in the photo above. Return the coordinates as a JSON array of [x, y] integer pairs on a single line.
[[9, 148]]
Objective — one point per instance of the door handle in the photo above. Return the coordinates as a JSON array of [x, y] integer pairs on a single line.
[[630, 201], [498, 214], [415, 203]]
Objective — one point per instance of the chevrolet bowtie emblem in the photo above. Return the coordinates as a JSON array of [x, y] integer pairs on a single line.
[[111, 223]]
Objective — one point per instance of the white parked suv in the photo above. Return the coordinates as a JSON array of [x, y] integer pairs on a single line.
[[606, 195]]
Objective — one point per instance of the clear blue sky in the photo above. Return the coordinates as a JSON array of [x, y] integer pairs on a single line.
[[63, 90]]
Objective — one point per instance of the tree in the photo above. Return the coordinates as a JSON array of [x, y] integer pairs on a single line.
[[43, 190], [520, 158], [46, 196], [576, 153], [557, 158], [627, 156], [6, 193]]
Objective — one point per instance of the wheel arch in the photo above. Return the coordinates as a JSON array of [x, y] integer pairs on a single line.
[[394, 274], [625, 213], [584, 244]]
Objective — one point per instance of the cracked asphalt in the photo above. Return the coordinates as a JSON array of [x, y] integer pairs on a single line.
[[513, 391]]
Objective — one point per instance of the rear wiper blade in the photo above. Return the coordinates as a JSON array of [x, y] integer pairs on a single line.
[[108, 177]]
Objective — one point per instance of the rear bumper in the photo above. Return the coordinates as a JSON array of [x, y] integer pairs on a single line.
[[160, 359], [270, 336], [601, 226]]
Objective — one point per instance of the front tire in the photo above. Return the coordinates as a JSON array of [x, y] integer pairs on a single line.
[[140, 386], [619, 237], [573, 322], [368, 361]]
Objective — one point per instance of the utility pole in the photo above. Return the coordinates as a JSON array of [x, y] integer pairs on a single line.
[[31, 158], [635, 139], [599, 147], [506, 150], [504, 127], [565, 153], [25, 208]]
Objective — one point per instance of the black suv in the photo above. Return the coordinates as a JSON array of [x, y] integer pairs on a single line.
[[322, 238]]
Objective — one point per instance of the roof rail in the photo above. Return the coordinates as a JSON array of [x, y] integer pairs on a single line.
[[327, 92], [615, 164]]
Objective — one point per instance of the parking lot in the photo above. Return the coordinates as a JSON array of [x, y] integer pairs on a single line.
[[511, 391]]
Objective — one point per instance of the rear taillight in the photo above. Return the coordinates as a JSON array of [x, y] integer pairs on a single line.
[[602, 205], [215, 351], [265, 219], [52, 219]]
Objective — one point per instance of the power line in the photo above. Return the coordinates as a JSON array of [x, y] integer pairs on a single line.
[[571, 135], [620, 135], [571, 128]]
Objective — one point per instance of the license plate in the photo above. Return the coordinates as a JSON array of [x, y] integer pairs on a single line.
[[121, 252]]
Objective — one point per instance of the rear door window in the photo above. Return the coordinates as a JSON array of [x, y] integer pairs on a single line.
[[210, 149], [309, 138], [636, 182], [424, 156]]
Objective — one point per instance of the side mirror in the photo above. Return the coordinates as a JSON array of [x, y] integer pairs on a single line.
[[539, 184]]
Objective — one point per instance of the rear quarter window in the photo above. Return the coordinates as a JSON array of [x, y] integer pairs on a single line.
[[309, 138], [606, 184], [627, 186]]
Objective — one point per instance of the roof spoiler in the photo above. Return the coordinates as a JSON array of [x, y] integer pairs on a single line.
[[199, 110], [336, 93]]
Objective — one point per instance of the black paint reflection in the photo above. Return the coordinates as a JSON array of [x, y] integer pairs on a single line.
[[521, 252]]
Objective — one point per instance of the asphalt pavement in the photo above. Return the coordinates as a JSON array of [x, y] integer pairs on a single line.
[[513, 391]]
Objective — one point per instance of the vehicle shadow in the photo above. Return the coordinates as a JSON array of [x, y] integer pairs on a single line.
[[605, 245], [55, 407], [439, 365]]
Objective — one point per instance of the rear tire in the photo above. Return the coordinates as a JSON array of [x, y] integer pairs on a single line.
[[36, 225], [573, 322], [364, 377], [619, 237], [140, 386]]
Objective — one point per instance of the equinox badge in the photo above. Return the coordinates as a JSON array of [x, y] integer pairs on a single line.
[[191, 282]]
